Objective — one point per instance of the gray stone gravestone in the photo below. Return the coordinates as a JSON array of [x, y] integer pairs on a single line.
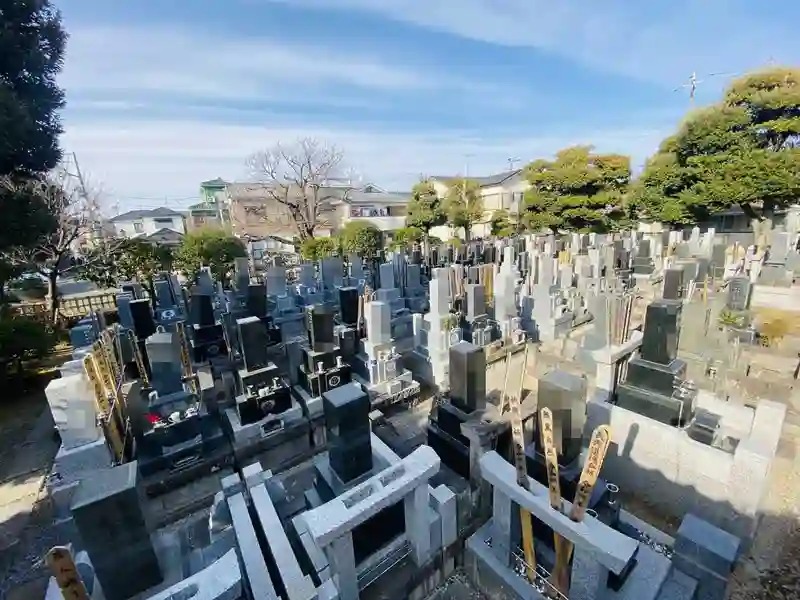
[[107, 510]]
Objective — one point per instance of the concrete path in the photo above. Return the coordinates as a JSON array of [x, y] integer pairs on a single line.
[[22, 478], [23, 469]]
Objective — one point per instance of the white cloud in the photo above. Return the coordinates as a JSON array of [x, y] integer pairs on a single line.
[[145, 161], [658, 40], [182, 63]]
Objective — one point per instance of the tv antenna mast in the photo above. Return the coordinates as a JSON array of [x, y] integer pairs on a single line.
[[692, 83], [512, 162]]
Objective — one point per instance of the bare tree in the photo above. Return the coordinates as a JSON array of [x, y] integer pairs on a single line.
[[300, 181], [74, 241]]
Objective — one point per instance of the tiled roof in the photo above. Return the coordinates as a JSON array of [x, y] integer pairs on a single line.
[[487, 181], [135, 215], [165, 235]]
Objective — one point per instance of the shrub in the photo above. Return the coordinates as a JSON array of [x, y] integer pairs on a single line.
[[24, 338]]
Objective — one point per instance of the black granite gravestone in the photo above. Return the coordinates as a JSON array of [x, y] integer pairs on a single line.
[[649, 388], [253, 339], [257, 300], [347, 426], [739, 293], [320, 324], [107, 511], [348, 305], [467, 377], [144, 325], [661, 331], [673, 284], [201, 310]]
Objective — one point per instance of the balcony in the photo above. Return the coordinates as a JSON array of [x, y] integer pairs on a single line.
[[382, 223]]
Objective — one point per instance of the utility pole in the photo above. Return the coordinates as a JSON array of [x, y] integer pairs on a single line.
[[95, 222], [692, 83]]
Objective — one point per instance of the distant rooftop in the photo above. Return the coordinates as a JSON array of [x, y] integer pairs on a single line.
[[487, 181], [218, 182], [133, 215]]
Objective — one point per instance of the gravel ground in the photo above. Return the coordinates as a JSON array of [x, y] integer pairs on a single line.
[[771, 569], [456, 587]]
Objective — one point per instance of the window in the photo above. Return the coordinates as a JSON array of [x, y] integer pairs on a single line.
[[138, 227], [163, 222]]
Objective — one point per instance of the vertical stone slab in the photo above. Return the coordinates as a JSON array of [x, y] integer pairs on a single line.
[[418, 527]]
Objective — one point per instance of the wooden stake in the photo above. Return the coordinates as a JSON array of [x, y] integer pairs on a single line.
[[60, 562], [522, 476], [553, 482], [598, 446]]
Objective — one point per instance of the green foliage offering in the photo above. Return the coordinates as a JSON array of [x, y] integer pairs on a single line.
[[464, 205], [728, 318], [457, 242], [362, 238], [209, 248], [578, 191], [31, 53], [503, 225], [425, 209], [403, 238], [23, 338], [319, 248], [741, 151]]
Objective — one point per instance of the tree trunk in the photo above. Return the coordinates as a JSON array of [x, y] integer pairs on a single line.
[[467, 231], [52, 289]]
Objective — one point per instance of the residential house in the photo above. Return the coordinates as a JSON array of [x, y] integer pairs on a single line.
[[162, 225], [255, 215], [501, 191]]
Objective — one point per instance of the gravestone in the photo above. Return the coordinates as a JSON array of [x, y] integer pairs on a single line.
[[257, 300], [201, 309], [348, 305], [652, 378], [643, 262], [253, 338], [107, 511], [467, 377], [144, 325], [72, 404], [673, 284], [739, 294], [347, 426], [320, 325], [476, 301], [163, 352], [565, 395]]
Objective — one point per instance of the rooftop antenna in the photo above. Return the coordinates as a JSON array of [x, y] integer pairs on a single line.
[[692, 83], [512, 162]]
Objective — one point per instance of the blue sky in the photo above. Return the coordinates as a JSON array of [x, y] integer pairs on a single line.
[[164, 94]]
